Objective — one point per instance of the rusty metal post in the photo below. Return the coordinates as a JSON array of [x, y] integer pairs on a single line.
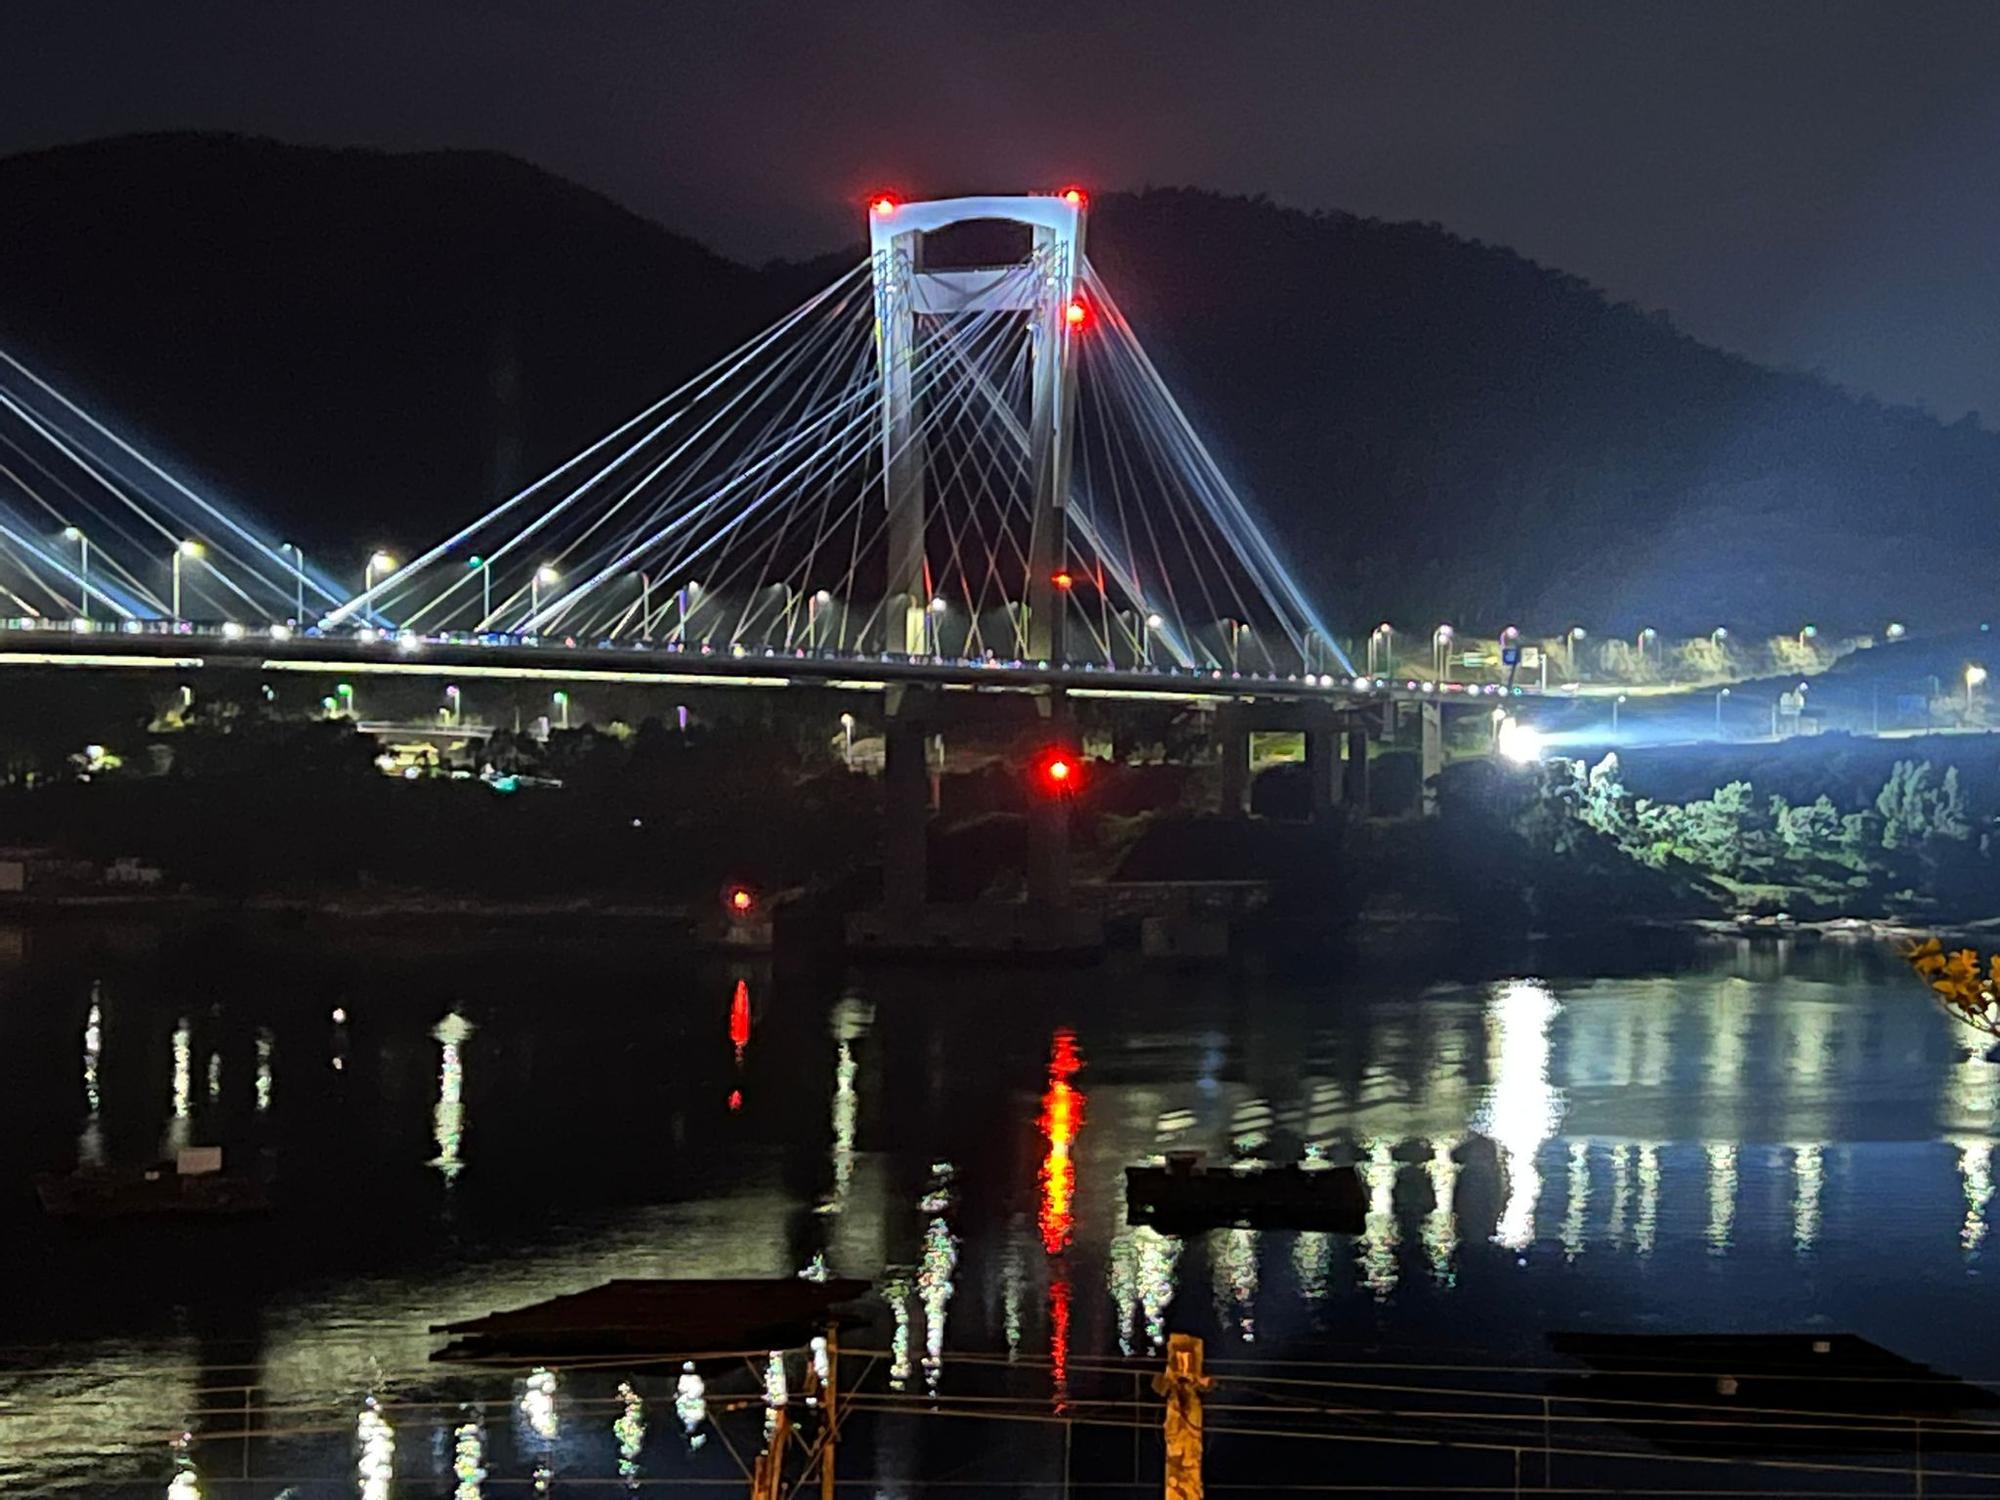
[[767, 1479], [1183, 1383]]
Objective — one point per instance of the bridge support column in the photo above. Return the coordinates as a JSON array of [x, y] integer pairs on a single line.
[[1232, 732], [1323, 785], [1354, 774], [1431, 721], [1048, 823], [906, 801]]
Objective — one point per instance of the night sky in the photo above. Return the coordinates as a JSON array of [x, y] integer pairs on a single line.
[[1814, 184]]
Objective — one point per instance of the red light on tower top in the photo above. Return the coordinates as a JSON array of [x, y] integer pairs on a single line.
[[882, 205], [1075, 197], [741, 899]]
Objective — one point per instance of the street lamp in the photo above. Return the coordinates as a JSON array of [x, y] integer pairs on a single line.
[[71, 533], [812, 617], [1646, 638], [1386, 636], [1615, 703], [298, 580], [543, 576], [934, 618], [1570, 637], [847, 735], [1440, 651], [1718, 711], [455, 709], [345, 692], [185, 549], [484, 565], [1717, 636], [1974, 676], [561, 701], [379, 564], [1807, 634], [1153, 623], [1896, 631], [683, 602]]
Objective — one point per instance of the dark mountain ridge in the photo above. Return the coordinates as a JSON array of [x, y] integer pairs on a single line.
[[370, 348]]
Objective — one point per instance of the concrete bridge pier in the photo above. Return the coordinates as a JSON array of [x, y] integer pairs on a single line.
[[1232, 734], [1048, 818], [1330, 780], [1431, 750], [1354, 774], [906, 799]]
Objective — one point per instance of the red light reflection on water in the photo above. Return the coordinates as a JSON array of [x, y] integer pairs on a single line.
[[739, 1017], [1061, 1119]]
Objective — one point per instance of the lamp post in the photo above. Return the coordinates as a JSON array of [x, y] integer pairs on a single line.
[[1153, 623], [847, 736], [1717, 636], [1974, 676], [683, 603], [934, 620], [484, 565], [345, 692], [73, 534], [1896, 631], [380, 564], [1440, 652], [645, 607], [1807, 634], [561, 701], [455, 705], [543, 575], [813, 605], [1570, 638], [1615, 702], [185, 549], [298, 580], [1718, 711], [1646, 638]]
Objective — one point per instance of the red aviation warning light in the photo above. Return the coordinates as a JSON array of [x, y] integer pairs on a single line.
[[1077, 314], [1075, 196], [882, 205], [1062, 580], [740, 900]]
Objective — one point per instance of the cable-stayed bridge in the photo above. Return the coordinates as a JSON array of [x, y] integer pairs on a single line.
[[950, 470]]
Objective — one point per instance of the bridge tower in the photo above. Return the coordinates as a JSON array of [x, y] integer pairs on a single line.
[[904, 291]]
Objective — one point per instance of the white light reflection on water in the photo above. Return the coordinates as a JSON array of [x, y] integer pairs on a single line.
[[186, 1483], [1440, 1227], [1974, 1092], [1376, 1249], [1521, 1109], [777, 1392], [1577, 1205], [1621, 1193], [1646, 1231], [849, 1023], [265, 1043], [935, 1288], [630, 1431], [1808, 1181], [214, 1076], [177, 1126], [93, 1051], [448, 1115], [1235, 1277], [1721, 1196], [538, 1403], [691, 1405], [896, 1292], [468, 1458], [376, 1439]]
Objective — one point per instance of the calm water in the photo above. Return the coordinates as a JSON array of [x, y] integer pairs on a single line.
[[1744, 1138]]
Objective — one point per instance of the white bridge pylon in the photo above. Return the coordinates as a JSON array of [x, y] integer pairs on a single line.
[[927, 460]]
